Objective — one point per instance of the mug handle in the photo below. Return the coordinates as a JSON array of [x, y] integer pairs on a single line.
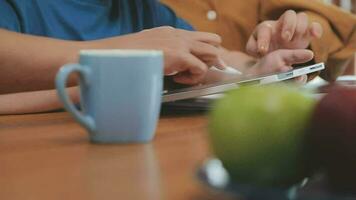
[[61, 82]]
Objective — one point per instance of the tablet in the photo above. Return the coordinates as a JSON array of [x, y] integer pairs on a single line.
[[221, 87]]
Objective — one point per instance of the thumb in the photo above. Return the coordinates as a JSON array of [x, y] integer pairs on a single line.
[[297, 56]]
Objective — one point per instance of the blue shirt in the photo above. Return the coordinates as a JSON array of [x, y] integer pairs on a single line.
[[85, 19]]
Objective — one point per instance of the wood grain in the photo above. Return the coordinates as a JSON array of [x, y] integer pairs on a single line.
[[48, 156]]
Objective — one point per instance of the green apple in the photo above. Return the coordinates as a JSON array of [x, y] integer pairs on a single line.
[[259, 134]]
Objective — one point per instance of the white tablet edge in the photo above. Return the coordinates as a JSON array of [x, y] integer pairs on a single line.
[[292, 74], [215, 89]]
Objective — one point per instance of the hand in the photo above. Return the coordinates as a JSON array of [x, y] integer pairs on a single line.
[[280, 61], [187, 54], [277, 61], [290, 31]]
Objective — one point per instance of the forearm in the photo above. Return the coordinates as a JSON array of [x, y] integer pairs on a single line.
[[29, 63], [34, 102]]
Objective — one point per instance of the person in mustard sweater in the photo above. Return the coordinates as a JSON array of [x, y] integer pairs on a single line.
[[236, 20]]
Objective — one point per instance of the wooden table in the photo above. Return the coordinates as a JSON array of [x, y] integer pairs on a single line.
[[48, 156]]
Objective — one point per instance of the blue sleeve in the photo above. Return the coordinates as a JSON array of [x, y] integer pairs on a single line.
[[166, 17], [8, 17]]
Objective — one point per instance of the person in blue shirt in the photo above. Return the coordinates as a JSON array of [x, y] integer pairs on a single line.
[[59, 29], [39, 36]]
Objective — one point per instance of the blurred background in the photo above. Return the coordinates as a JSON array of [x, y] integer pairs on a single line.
[[347, 5]]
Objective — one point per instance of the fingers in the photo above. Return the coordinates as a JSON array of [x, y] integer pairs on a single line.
[[306, 31], [208, 54], [191, 70], [196, 52], [295, 26], [259, 42], [251, 46], [316, 30], [287, 25], [206, 37], [264, 36], [297, 56], [191, 64], [302, 26], [282, 60], [205, 46], [290, 31], [188, 54], [209, 38]]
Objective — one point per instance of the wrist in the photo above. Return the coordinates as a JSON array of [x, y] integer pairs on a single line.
[[120, 42], [93, 44]]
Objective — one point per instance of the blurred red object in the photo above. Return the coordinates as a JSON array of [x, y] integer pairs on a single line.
[[333, 137]]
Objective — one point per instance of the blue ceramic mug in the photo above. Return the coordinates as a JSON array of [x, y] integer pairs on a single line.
[[121, 93]]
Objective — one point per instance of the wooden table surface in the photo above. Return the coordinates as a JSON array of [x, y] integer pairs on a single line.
[[48, 156]]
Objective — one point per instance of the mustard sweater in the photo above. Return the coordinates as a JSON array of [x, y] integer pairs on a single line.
[[236, 19]]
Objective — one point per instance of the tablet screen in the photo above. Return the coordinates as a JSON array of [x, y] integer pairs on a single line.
[[234, 81]]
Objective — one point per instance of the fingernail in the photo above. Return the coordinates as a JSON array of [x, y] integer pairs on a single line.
[[222, 63], [317, 30], [319, 34], [263, 48]]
